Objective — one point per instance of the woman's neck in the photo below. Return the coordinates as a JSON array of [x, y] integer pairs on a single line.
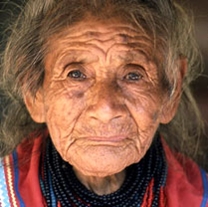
[[102, 185]]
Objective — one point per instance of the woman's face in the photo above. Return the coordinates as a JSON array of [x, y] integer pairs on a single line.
[[102, 98]]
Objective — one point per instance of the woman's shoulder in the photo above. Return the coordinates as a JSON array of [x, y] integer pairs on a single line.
[[187, 183], [19, 175]]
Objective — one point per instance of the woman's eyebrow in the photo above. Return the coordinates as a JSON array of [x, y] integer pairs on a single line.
[[73, 63]]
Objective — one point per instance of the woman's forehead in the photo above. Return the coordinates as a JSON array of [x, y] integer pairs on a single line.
[[105, 35], [106, 42], [91, 26]]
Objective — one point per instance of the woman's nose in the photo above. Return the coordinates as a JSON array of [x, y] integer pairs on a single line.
[[107, 103]]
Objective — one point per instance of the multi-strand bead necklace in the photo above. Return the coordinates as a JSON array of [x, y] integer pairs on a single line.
[[143, 185]]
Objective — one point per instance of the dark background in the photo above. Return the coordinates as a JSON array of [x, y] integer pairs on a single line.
[[200, 86]]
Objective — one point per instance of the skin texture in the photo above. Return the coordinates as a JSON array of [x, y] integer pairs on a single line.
[[101, 99]]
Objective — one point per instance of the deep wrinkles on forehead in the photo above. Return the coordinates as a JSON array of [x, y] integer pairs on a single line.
[[105, 39], [102, 33], [101, 28]]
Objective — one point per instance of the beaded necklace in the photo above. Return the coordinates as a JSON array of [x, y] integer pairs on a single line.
[[143, 185]]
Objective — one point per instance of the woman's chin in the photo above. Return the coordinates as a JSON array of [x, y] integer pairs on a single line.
[[102, 161], [97, 172]]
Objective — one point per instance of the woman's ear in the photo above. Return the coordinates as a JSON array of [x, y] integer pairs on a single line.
[[170, 106], [35, 106]]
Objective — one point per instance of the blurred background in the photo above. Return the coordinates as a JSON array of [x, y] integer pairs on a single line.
[[200, 86]]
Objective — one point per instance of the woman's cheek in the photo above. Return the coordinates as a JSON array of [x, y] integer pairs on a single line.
[[145, 111], [62, 115]]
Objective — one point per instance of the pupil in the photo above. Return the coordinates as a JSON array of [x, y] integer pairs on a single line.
[[133, 76], [75, 74]]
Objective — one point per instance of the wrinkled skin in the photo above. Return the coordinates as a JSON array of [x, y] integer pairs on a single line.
[[102, 100]]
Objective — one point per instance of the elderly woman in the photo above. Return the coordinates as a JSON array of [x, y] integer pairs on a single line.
[[98, 91]]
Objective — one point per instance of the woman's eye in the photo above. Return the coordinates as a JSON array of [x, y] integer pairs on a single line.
[[76, 74], [133, 76]]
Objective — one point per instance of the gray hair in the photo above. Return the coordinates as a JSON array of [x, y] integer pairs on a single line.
[[164, 21]]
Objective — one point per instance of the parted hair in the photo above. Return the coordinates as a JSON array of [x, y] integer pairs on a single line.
[[163, 21]]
